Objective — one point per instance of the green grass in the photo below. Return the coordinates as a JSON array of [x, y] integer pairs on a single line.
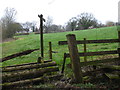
[[31, 41]]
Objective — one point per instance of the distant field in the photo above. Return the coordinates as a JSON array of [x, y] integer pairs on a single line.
[[31, 41]]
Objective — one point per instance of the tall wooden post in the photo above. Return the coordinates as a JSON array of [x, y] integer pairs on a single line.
[[50, 50], [74, 56], [85, 50], [119, 38], [118, 28], [41, 35], [119, 45]]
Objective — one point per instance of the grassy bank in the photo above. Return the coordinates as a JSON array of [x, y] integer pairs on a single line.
[[31, 41]]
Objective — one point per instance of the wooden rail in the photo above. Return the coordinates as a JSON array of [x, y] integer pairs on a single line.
[[91, 41], [98, 61], [95, 53]]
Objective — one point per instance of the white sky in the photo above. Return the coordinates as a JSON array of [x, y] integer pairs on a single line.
[[61, 10]]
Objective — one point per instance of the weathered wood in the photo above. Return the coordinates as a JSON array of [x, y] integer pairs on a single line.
[[112, 76], [119, 37], [46, 61], [119, 45], [92, 41], [64, 59], [75, 60], [96, 53], [98, 62], [112, 67], [50, 50], [41, 35], [85, 50], [27, 74], [33, 66], [18, 54], [30, 81]]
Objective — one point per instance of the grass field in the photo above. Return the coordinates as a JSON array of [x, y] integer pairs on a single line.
[[31, 41]]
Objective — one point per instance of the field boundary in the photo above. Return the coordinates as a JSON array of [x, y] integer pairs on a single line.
[[74, 54]]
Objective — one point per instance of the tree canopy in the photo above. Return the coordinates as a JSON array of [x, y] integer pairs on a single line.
[[82, 21]]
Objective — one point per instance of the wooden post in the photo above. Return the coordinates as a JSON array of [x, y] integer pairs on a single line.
[[85, 50], [119, 38], [119, 45], [50, 50], [41, 35], [74, 56], [119, 56], [63, 67], [119, 42]]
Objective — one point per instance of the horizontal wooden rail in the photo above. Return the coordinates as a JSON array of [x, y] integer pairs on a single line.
[[95, 53], [18, 54], [98, 62], [46, 61], [91, 41], [33, 66]]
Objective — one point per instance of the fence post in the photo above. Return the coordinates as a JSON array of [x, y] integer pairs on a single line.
[[85, 50], [119, 55], [74, 56], [119, 45], [50, 50], [64, 59], [119, 38]]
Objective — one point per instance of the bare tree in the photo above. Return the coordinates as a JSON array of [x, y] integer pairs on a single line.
[[9, 26], [33, 26], [27, 26], [48, 24]]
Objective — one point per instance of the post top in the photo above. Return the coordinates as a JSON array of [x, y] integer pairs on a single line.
[[70, 35], [40, 16]]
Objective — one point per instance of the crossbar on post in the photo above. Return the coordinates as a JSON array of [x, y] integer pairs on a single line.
[[74, 56]]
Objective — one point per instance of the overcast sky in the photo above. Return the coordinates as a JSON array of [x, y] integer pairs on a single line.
[[61, 10]]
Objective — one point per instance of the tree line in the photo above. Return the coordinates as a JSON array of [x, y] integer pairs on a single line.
[[80, 22]]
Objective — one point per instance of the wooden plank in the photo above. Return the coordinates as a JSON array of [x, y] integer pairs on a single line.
[[46, 61], [18, 55], [75, 60], [98, 62], [91, 41], [33, 66], [112, 67], [30, 81], [14, 76], [96, 53], [112, 76]]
